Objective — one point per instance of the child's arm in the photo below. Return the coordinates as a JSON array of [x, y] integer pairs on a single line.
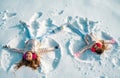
[[13, 49], [109, 41], [45, 50], [77, 54], [84, 49]]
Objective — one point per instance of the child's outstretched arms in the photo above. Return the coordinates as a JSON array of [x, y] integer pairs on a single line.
[[13, 49]]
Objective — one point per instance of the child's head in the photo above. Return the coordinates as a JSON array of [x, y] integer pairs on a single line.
[[99, 51], [29, 59], [29, 55]]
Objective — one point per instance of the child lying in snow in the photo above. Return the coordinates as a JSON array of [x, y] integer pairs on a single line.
[[31, 53], [95, 45]]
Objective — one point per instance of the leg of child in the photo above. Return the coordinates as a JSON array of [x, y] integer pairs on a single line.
[[93, 37], [86, 39], [30, 34], [28, 30], [77, 31]]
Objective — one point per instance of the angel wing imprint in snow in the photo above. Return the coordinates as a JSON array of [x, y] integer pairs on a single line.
[[31, 31]]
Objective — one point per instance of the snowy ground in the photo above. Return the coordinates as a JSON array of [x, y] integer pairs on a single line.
[[99, 16]]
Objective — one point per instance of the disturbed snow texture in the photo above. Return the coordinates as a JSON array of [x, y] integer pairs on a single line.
[[100, 17]]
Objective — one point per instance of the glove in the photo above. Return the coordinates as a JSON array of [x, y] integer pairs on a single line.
[[112, 41], [6, 46], [77, 54], [56, 47]]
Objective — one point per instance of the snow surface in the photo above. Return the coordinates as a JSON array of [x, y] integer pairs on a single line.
[[99, 16]]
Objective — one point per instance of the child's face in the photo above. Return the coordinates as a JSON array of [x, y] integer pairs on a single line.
[[29, 56]]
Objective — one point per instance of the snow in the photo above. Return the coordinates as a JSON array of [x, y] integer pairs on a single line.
[[44, 16]]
